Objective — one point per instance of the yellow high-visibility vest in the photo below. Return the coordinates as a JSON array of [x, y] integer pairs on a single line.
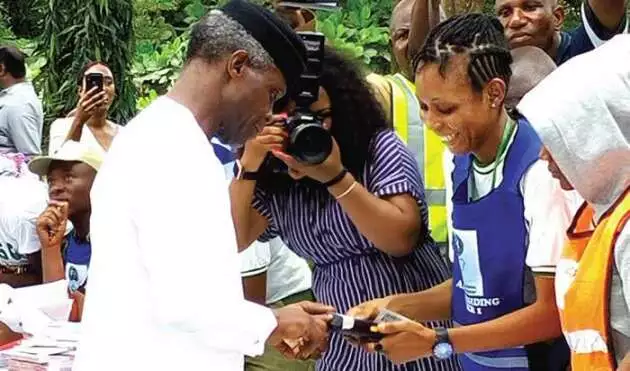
[[424, 144]]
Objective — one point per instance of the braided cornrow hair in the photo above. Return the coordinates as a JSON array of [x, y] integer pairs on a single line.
[[478, 35]]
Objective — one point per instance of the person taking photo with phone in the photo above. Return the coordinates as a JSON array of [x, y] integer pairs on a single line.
[[88, 123]]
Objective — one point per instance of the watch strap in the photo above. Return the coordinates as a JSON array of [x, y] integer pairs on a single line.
[[336, 179], [441, 336], [241, 174]]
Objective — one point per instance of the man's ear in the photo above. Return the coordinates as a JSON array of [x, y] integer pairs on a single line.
[[236, 64], [558, 17], [495, 91]]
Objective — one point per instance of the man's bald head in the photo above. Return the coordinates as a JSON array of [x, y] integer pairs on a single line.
[[529, 67], [401, 15], [399, 27]]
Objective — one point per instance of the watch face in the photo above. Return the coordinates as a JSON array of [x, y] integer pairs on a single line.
[[443, 350]]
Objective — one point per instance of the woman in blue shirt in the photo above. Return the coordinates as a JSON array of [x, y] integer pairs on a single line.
[[507, 214]]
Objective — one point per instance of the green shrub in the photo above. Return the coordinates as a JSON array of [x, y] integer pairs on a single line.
[[359, 29]]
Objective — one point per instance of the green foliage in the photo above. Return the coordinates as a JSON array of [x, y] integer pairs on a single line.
[[23, 17], [6, 33], [160, 53], [360, 31], [150, 25], [155, 68], [76, 32]]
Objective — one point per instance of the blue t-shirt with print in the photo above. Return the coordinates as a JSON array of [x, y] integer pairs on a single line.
[[587, 36], [76, 260]]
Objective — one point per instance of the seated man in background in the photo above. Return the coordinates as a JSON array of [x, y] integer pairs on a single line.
[[21, 114], [529, 67], [22, 198], [70, 173]]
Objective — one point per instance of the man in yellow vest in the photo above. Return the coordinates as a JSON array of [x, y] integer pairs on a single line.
[[410, 23], [586, 132]]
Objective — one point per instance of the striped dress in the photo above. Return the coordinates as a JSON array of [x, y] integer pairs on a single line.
[[349, 270]]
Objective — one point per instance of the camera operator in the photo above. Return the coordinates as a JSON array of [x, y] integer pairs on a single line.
[[365, 228]]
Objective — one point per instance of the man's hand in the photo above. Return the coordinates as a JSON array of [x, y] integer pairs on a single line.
[[625, 364], [302, 330], [51, 224]]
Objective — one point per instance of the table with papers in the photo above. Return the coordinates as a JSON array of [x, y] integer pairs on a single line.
[[40, 313]]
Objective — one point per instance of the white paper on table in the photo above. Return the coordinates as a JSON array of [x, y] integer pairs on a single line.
[[51, 298], [19, 316], [64, 332], [32, 309]]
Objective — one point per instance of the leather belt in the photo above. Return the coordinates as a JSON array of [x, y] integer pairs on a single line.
[[16, 270]]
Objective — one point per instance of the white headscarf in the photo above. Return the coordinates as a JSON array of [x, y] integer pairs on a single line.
[[582, 114]]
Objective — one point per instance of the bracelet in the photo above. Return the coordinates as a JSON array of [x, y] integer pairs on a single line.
[[336, 179], [347, 191]]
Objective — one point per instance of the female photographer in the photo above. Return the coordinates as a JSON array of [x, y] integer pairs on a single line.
[[365, 229], [88, 123]]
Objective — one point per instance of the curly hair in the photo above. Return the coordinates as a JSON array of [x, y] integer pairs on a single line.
[[356, 119], [478, 35]]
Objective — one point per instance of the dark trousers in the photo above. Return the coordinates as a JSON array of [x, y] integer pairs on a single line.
[[549, 356]]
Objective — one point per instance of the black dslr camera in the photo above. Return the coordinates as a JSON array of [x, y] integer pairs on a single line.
[[309, 142]]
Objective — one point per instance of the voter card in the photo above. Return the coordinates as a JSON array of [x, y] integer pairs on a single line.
[[386, 315]]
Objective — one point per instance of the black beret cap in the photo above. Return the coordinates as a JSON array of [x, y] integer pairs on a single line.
[[279, 40]]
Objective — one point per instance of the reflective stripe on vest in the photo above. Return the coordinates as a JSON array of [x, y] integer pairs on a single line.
[[583, 279], [426, 146]]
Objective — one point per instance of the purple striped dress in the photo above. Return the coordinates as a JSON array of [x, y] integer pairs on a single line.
[[348, 268]]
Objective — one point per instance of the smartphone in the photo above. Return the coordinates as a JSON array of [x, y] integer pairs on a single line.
[[354, 328], [94, 80]]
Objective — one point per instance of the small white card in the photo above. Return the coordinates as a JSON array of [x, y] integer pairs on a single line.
[[386, 315]]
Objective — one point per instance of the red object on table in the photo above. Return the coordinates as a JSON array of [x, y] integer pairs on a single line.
[[10, 345]]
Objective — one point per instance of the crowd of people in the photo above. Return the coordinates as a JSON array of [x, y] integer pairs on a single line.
[[481, 193]]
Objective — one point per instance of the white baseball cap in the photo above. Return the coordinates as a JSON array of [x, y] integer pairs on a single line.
[[70, 151]]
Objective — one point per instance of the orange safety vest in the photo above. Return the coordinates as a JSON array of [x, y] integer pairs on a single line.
[[583, 286]]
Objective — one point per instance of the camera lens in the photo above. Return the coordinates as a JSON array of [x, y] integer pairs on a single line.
[[311, 143]]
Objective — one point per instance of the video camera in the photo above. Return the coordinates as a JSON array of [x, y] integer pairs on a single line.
[[308, 141]]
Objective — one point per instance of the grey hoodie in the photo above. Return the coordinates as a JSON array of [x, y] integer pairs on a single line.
[[582, 114]]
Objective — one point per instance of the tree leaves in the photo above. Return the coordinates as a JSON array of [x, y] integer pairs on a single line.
[[358, 30]]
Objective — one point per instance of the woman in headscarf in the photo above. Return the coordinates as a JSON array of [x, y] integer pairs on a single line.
[[586, 133]]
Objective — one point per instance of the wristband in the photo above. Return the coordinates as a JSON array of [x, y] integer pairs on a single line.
[[336, 179]]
